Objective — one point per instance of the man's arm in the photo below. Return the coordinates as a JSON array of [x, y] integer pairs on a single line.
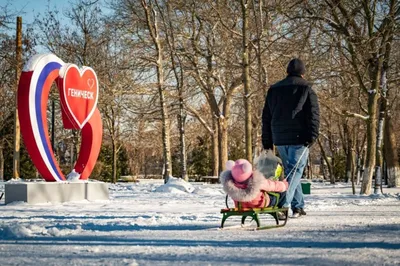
[[313, 116], [266, 133]]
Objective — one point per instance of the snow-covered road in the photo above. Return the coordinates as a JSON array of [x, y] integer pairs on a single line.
[[150, 224]]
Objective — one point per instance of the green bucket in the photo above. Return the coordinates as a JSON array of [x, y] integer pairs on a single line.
[[306, 187]]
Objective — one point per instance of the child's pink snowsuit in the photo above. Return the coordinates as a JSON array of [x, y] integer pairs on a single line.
[[245, 186]]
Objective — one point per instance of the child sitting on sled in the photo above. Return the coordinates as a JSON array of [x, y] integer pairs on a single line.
[[246, 186]]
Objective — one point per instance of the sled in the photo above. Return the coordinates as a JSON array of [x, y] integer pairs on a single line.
[[255, 212]]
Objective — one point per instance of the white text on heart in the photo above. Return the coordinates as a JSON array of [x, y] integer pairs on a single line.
[[80, 94]]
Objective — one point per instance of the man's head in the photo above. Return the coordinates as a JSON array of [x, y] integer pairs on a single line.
[[296, 68]]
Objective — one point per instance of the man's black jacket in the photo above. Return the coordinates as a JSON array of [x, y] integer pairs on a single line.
[[291, 114]]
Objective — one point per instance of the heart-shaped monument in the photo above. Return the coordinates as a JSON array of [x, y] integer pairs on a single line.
[[79, 94]]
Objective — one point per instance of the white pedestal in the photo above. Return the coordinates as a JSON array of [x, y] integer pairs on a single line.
[[55, 192]]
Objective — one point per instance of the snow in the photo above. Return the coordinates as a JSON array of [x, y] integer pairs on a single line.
[[34, 60], [73, 176], [151, 223], [176, 185]]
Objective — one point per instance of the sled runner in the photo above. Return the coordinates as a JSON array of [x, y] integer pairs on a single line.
[[254, 213]]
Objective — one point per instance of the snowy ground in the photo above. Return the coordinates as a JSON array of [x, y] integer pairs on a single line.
[[150, 224]]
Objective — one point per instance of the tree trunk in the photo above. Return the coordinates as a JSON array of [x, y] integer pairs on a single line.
[[223, 142], [224, 118], [182, 120], [114, 163], [361, 161], [390, 146], [378, 66], [390, 152], [353, 162], [353, 175], [18, 68], [349, 151], [322, 168], [262, 27], [152, 24], [1, 163], [330, 170], [170, 36], [380, 132], [165, 137], [246, 81], [349, 165], [353, 181], [371, 139], [360, 152], [215, 148]]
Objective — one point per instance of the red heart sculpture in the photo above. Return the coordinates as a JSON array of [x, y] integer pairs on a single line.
[[78, 90], [80, 94]]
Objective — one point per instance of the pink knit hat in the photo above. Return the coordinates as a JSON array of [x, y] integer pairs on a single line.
[[241, 169]]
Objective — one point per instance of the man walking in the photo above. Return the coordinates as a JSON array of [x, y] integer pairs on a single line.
[[290, 121]]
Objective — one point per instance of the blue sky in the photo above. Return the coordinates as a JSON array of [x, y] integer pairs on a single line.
[[28, 9]]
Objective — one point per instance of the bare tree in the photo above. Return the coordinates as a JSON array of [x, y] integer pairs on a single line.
[[152, 21], [6, 97], [215, 58], [84, 44], [246, 79], [172, 25], [390, 153], [365, 33]]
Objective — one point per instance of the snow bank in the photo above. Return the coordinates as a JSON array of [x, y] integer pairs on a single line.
[[176, 185]]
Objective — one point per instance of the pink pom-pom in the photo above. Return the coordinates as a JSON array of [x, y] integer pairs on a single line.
[[229, 165]]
